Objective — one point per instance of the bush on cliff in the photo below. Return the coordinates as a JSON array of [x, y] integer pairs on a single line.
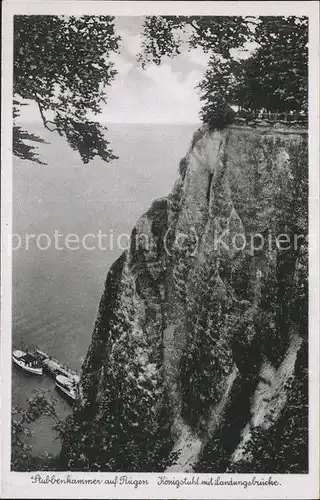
[[217, 113]]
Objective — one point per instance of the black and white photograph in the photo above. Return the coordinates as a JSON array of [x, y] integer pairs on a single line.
[[161, 225]]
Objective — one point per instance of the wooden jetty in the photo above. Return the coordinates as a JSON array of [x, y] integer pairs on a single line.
[[54, 367]]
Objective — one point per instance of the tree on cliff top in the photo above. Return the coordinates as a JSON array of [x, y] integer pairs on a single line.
[[62, 64], [273, 75]]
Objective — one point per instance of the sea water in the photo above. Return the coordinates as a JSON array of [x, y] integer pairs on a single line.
[[56, 290]]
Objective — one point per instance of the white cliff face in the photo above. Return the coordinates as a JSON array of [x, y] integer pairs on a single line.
[[192, 311]]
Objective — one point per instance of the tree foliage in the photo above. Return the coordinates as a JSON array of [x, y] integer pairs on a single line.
[[63, 64], [271, 76], [20, 147], [22, 459], [274, 78], [165, 35]]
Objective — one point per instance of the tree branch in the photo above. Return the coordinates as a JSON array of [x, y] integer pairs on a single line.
[[44, 120]]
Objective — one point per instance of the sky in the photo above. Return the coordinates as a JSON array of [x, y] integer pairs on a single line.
[[158, 94], [164, 93]]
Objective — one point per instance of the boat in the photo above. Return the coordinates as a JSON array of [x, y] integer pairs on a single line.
[[27, 361], [67, 385]]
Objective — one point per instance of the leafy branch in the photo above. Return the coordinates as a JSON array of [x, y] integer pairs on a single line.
[[63, 64]]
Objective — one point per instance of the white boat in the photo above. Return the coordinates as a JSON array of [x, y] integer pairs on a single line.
[[67, 385], [27, 362]]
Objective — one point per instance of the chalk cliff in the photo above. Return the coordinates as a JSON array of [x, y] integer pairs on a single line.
[[198, 359]]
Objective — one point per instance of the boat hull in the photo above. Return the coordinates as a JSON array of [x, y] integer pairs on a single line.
[[63, 385], [17, 359]]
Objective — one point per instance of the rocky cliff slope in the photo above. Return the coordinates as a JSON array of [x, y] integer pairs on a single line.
[[198, 359]]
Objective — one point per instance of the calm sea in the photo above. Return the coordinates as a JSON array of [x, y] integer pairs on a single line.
[[56, 292]]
